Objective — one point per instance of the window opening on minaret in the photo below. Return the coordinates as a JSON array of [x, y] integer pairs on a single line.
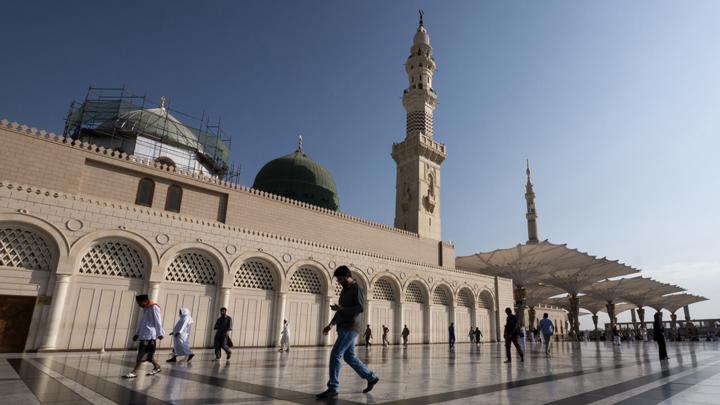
[[420, 86]]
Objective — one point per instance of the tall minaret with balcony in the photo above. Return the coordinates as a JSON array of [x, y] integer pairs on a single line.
[[418, 157], [531, 214]]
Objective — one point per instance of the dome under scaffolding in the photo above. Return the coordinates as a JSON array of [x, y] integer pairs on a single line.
[[115, 119]]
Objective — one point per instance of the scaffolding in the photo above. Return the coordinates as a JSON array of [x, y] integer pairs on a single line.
[[118, 119]]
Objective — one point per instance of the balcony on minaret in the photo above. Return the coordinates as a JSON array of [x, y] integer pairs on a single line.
[[419, 145]]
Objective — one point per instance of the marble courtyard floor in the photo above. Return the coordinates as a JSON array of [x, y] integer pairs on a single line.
[[578, 373]]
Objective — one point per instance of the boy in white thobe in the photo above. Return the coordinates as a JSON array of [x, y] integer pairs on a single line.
[[149, 329]]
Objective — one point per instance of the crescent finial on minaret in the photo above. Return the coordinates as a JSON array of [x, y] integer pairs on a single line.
[[421, 16]]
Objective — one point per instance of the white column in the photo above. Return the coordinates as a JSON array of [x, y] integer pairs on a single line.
[[399, 320], [428, 324], [328, 313], [368, 321], [154, 291], [62, 283], [224, 299], [281, 302]]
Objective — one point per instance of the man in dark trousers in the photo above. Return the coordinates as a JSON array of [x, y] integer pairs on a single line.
[[223, 326], [368, 336], [659, 335], [349, 306], [511, 335], [451, 334]]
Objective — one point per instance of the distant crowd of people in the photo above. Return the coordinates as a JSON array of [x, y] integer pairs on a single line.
[[347, 323]]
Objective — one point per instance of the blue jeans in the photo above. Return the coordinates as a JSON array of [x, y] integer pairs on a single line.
[[344, 349]]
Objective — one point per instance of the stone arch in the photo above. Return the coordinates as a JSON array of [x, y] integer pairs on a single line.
[[209, 251], [37, 247], [359, 276], [87, 242], [435, 294], [273, 263], [391, 280], [486, 299], [422, 287], [320, 270], [465, 297], [56, 240]]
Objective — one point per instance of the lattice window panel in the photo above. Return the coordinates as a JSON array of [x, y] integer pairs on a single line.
[[414, 293], [441, 296], [464, 299], [383, 290], [305, 280], [113, 259], [24, 249], [419, 121], [338, 289], [255, 274], [192, 267], [486, 301]]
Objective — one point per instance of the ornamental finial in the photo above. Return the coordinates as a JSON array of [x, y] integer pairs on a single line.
[[421, 16], [300, 143], [162, 103]]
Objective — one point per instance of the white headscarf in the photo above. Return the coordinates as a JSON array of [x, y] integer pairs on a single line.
[[183, 324]]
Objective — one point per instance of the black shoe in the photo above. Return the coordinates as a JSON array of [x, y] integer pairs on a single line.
[[190, 357], [172, 359], [229, 354], [370, 385], [522, 359], [328, 393]]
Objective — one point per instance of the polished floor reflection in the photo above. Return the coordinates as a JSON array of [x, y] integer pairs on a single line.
[[578, 373]]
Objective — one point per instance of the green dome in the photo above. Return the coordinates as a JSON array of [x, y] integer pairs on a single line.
[[298, 177]]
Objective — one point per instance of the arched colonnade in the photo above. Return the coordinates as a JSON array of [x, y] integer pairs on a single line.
[[88, 288]]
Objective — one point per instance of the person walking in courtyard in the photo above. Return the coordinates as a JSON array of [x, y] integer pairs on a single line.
[[471, 334], [451, 334], [616, 335], [547, 329], [223, 326], [285, 337], [405, 334], [521, 338], [149, 329], [368, 336], [181, 336], [478, 335], [347, 310], [659, 335], [386, 330], [511, 335]]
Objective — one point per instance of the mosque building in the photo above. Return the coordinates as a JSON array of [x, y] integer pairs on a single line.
[[133, 199]]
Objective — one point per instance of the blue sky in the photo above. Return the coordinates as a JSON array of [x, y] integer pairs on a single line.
[[615, 103]]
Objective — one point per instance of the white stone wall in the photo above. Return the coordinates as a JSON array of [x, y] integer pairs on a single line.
[[75, 225]]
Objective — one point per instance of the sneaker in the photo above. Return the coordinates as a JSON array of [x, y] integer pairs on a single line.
[[155, 371], [130, 375], [229, 354], [190, 357], [328, 393], [371, 384], [172, 359]]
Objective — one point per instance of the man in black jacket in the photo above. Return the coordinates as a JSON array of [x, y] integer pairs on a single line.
[[349, 306], [511, 335]]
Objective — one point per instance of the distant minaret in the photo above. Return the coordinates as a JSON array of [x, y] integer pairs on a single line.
[[531, 214], [418, 157]]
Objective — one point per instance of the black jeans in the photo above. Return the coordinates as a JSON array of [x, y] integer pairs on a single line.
[[512, 340]]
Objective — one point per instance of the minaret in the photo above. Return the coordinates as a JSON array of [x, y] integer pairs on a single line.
[[531, 214], [418, 157]]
